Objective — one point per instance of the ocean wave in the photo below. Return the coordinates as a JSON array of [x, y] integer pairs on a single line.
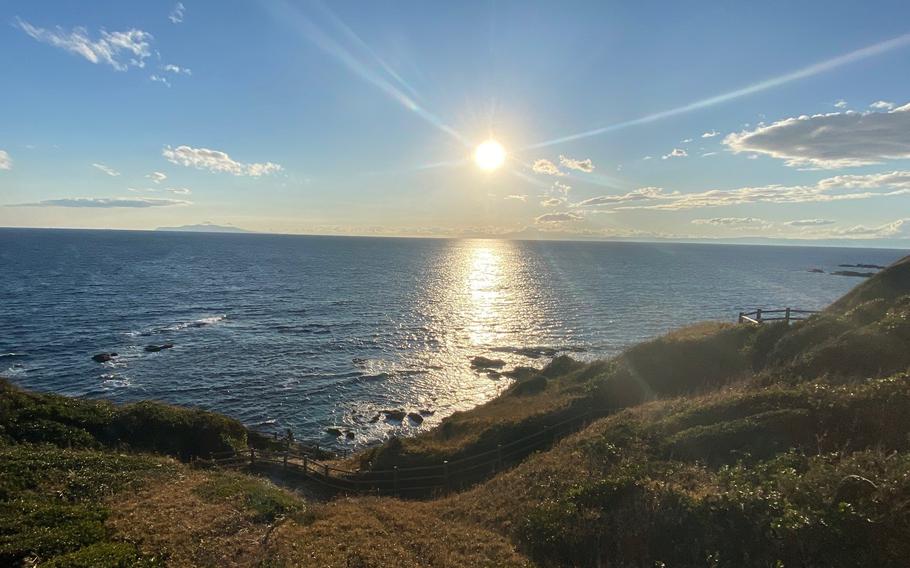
[[11, 355], [180, 326]]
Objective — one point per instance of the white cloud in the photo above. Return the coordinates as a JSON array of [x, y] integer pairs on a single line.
[[882, 105], [6, 163], [157, 177], [710, 134], [160, 79], [176, 15], [647, 158], [899, 228], [686, 141], [708, 154], [216, 161], [838, 188], [553, 202], [585, 165], [558, 217], [179, 190], [733, 222], [809, 222], [177, 70], [106, 169], [641, 194], [544, 166], [676, 153], [832, 140], [107, 202], [841, 104], [120, 50], [516, 197]]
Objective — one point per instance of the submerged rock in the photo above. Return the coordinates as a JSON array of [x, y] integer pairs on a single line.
[[816, 270], [853, 273], [333, 431], [349, 435], [481, 362], [103, 357], [875, 266], [157, 348], [415, 417]]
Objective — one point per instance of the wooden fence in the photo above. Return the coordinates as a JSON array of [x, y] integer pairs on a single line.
[[761, 316], [405, 481]]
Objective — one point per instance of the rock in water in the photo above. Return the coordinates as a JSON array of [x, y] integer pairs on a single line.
[[103, 357], [157, 348], [415, 417], [333, 431], [481, 362], [394, 414]]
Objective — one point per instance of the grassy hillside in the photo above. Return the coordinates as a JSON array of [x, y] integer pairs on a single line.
[[715, 445]]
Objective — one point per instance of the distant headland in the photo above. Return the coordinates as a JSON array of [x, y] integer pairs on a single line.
[[205, 228]]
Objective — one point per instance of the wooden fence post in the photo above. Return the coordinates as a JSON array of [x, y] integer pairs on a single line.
[[740, 319], [252, 455], [787, 316], [325, 470], [758, 315], [284, 463]]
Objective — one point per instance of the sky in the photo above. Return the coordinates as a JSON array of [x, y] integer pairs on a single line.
[[619, 120]]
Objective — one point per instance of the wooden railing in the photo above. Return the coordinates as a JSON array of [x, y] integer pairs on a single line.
[[761, 316], [405, 481]]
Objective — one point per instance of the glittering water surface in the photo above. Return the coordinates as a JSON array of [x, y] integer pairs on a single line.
[[310, 332]]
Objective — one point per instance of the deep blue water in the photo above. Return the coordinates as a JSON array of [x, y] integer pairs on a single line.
[[310, 332]]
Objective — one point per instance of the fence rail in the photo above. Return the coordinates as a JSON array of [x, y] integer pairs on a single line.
[[760, 316], [407, 481]]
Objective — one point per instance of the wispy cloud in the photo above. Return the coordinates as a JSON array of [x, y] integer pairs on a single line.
[[840, 188], [176, 15], [106, 169], [899, 228], [159, 79], [120, 50], [361, 60], [176, 69], [641, 194], [675, 153], [810, 71], [841, 104], [563, 217], [216, 161], [179, 190], [553, 202], [585, 165], [832, 140], [6, 163], [710, 134], [545, 166], [752, 222], [157, 177], [809, 222], [106, 202], [516, 197]]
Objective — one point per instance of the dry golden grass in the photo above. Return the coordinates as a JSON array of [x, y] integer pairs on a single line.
[[373, 532], [170, 520]]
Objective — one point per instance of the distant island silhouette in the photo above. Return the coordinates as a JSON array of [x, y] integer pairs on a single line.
[[205, 228]]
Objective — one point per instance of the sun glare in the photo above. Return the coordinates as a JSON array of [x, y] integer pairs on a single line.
[[490, 155]]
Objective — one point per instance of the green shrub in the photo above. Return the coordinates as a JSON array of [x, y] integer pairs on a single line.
[[105, 555], [266, 501]]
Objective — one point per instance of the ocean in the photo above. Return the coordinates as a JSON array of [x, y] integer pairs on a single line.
[[308, 333]]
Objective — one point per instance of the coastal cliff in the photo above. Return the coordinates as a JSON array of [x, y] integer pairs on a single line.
[[716, 444]]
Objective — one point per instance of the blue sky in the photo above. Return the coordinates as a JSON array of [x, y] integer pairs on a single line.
[[362, 117]]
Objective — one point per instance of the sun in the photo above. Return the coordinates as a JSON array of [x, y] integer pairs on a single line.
[[490, 155]]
